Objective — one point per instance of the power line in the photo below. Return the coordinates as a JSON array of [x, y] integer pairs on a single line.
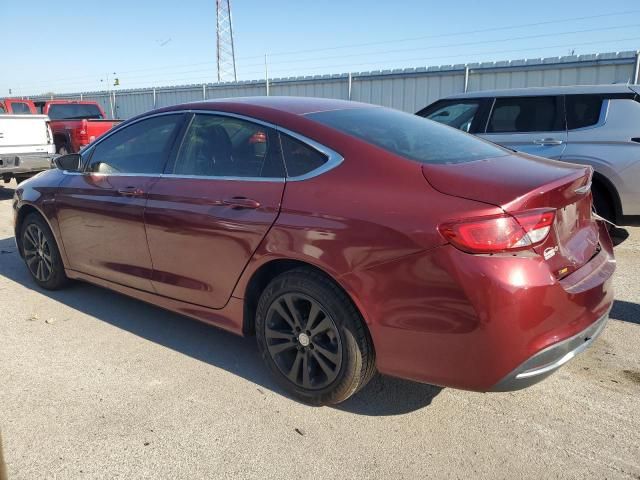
[[198, 80], [377, 53], [468, 32], [408, 39]]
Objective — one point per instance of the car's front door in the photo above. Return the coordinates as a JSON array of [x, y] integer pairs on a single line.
[[534, 125], [207, 214], [101, 210]]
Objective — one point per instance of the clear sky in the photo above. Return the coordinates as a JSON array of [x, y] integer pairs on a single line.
[[71, 45]]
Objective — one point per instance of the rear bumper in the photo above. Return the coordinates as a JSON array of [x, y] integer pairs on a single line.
[[25, 162], [547, 361], [475, 321]]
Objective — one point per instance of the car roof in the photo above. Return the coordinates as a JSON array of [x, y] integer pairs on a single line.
[[292, 105], [539, 91]]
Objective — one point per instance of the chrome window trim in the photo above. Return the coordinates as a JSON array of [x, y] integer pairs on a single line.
[[333, 158], [171, 175]]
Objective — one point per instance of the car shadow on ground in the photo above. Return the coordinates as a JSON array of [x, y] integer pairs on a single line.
[[6, 193], [383, 396], [625, 311]]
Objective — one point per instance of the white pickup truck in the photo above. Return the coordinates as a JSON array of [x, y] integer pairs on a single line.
[[26, 146]]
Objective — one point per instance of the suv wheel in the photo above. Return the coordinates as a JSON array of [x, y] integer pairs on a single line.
[[312, 338]]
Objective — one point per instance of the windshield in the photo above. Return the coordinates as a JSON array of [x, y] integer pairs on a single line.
[[72, 111], [408, 135]]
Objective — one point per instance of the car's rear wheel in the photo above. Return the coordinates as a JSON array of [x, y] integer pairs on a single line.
[[312, 338], [41, 253]]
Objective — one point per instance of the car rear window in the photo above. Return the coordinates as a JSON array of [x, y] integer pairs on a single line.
[[408, 135], [74, 111], [20, 108]]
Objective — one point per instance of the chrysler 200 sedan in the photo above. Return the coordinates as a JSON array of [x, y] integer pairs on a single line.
[[347, 238]]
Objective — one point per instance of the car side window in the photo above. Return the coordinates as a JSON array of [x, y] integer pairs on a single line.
[[138, 148], [526, 114], [299, 157], [583, 110], [459, 115], [2, 109], [220, 146]]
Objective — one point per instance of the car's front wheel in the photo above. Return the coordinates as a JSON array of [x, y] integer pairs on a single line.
[[41, 253], [312, 338]]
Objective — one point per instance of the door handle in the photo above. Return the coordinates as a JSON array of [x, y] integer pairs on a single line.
[[241, 202], [131, 192], [547, 141]]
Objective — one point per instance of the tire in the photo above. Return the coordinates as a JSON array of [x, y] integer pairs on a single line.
[[337, 338], [21, 178], [41, 254], [602, 202], [64, 149]]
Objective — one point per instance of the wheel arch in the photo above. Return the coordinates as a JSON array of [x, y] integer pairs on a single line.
[[608, 186], [266, 272], [23, 212]]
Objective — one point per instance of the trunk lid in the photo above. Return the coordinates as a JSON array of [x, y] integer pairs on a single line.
[[518, 183]]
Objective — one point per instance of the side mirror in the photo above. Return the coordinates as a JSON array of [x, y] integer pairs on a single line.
[[70, 162]]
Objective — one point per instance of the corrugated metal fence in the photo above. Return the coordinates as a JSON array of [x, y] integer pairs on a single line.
[[406, 89]]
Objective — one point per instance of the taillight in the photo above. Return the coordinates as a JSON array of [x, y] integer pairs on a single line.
[[83, 133], [499, 233]]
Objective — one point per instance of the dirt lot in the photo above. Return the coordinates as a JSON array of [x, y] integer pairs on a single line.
[[96, 385]]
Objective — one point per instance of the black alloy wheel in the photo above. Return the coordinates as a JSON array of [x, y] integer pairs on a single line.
[[312, 338], [303, 341], [37, 253], [41, 254]]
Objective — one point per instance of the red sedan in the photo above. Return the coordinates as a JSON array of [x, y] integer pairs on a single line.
[[348, 238]]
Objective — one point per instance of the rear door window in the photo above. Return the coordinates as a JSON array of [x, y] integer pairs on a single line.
[[457, 114], [583, 110], [526, 114], [300, 158], [220, 146]]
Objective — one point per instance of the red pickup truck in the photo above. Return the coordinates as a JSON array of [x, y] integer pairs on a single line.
[[17, 106], [75, 123]]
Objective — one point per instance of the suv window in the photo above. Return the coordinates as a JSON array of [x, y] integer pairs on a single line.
[[20, 108], [2, 109], [299, 157], [459, 114], [583, 110], [407, 135], [526, 114], [219, 146], [138, 148]]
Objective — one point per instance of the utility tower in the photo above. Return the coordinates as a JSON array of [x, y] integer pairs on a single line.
[[226, 56]]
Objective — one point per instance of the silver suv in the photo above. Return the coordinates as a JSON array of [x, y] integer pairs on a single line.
[[591, 125]]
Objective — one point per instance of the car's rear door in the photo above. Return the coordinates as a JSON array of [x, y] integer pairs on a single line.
[[534, 125], [101, 210], [217, 199]]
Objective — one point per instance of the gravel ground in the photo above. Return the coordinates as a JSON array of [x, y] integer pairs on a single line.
[[96, 385]]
